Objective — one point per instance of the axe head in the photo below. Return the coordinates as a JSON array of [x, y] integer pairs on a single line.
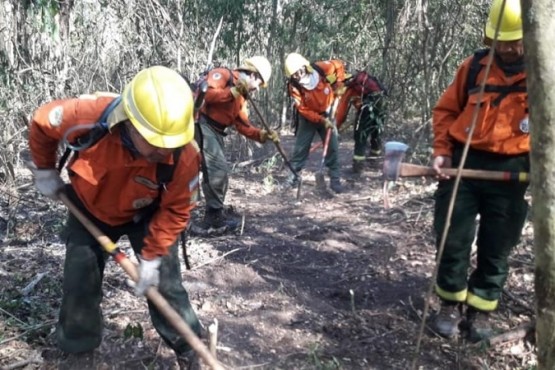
[[394, 154]]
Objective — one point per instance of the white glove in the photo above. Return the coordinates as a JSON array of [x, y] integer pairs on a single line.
[[149, 275], [48, 182]]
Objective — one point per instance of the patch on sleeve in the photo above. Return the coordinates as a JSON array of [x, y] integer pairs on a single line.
[[142, 202], [193, 184], [524, 126], [56, 116]]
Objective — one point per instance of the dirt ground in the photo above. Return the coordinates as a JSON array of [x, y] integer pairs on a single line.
[[317, 283]]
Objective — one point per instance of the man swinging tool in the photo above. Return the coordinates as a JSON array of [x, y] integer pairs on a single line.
[[114, 181], [225, 106], [312, 88]]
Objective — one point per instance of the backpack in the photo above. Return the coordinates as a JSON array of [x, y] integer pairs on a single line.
[[338, 70], [331, 78], [363, 83], [473, 87], [200, 85]]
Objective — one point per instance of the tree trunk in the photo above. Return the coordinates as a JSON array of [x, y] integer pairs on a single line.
[[539, 27]]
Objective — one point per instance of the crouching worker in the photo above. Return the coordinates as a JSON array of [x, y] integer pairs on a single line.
[[225, 106], [139, 179]]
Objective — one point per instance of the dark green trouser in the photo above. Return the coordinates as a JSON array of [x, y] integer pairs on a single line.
[[80, 321], [305, 135], [502, 211], [215, 181], [370, 123]]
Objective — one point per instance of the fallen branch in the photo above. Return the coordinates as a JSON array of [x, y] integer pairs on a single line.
[[13, 317], [51, 322], [217, 258], [514, 334], [249, 162], [25, 291], [22, 363], [519, 302]]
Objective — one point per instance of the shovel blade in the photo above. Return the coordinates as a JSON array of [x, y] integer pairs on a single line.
[[320, 181]]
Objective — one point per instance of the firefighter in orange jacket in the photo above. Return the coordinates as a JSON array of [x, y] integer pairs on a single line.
[[313, 97], [500, 142], [113, 182], [225, 106]]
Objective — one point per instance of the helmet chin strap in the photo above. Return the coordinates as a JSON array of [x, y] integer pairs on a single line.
[[127, 141]]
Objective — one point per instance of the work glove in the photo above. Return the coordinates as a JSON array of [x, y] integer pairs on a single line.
[[241, 88], [440, 162], [149, 275], [272, 135], [328, 123], [340, 91], [48, 182]]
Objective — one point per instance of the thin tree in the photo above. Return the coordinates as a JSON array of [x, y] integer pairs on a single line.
[[539, 31]]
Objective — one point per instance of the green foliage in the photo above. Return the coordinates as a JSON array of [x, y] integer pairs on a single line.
[[133, 331], [29, 314], [413, 47], [45, 11]]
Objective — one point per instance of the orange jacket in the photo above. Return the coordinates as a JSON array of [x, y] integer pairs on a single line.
[[222, 107], [500, 128], [334, 70], [349, 96], [110, 182], [313, 104]]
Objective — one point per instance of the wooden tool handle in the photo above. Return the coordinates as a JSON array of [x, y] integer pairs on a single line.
[[413, 170], [152, 293]]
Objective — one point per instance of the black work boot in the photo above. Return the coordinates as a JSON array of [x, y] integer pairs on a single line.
[[218, 218], [188, 361], [446, 323], [335, 185], [479, 326], [358, 166]]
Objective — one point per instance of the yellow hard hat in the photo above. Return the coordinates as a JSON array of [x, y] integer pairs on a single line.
[[258, 64], [510, 22], [294, 62], [159, 104]]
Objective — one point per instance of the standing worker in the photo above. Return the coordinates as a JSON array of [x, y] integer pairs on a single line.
[[500, 142], [225, 105], [312, 87], [368, 96], [116, 183]]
